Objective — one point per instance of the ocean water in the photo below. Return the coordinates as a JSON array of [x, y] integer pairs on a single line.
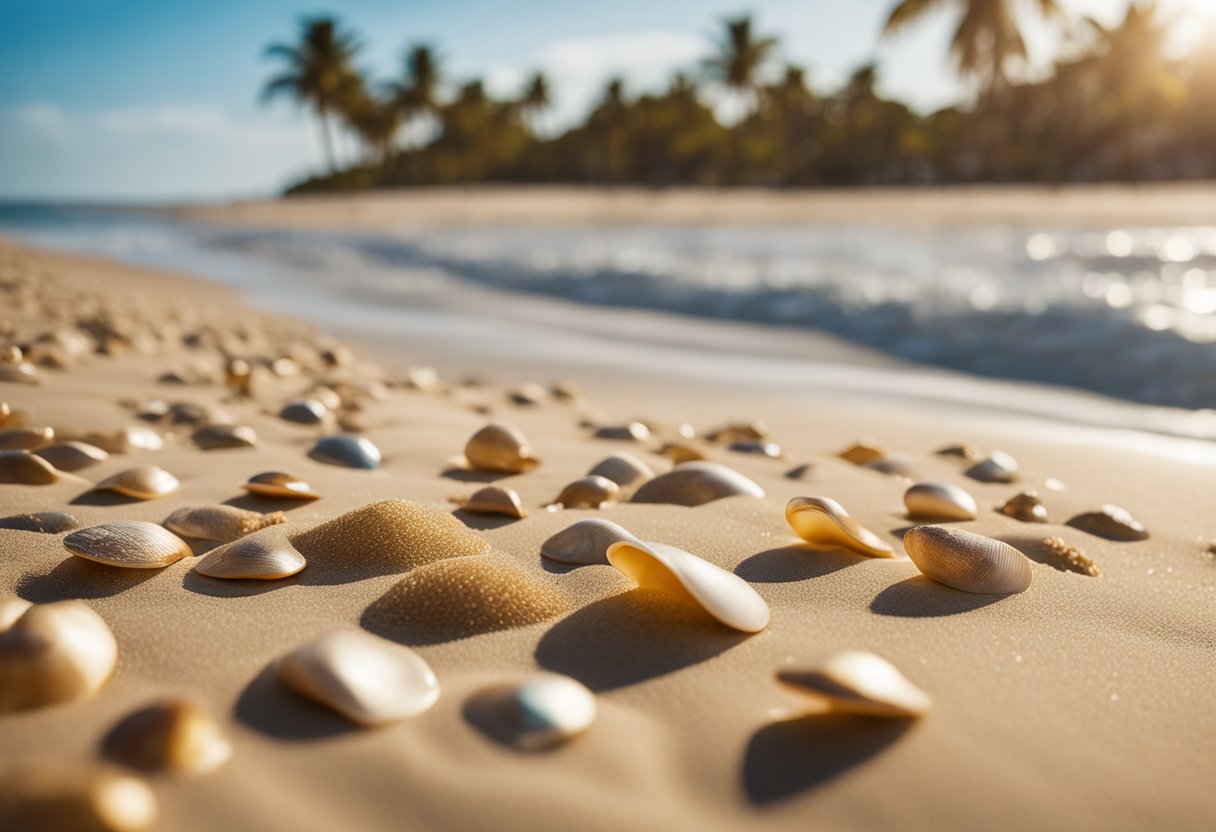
[[1126, 312]]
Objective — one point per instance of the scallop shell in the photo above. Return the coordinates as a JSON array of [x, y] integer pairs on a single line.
[[220, 522], [173, 735], [584, 542], [998, 467], [22, 372], [496, 499], [860, 683], [73, 455], [348, 451], [679, 452], [54, 653], [25, 439], [1111, 522], [367, 679], [24, 468], [589, 492], [862, 451], [263, 556], [500, 448], [624, 469], [305, 412], [966, 561], [144, 482], [45, 522], [539, 713], [218, 437], [1025, 507], [722, 594], [823, 522], [939, 501], [280, 485], [752, 446], [633, 431], [68, 797], [132, 544], [696, 483]]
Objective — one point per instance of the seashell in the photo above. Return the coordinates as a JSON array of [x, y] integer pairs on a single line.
[[327, 396], [53, 653], [962, 451], [966, 561], [364, 678], [1025, 507], [539, 713], [73, 455], [127, 439], [500, 448], [5, 412], [11, 354], [75, 798], [238, 375], [425, 379], [1053, 484], [799, 472], [173, 735], [893, 466], [859, 683], [623, 469], [998, 467], [564, 390], [1111, 522], [1071, 558], [584, 542], [589, 492], [347, 450], [527, 395], [143, 482], [939, 501], [280, 485], [263, 556], [722, 594], [220, 522], [45, 522], [305, 412], [25, 439], [823, 522], [634, 431], [495, 499], [862, 451], [217, 437], [22, 372], [24, 468], [11, 608], [132, 544], [696, 483], [679, 452], [753, 431], [751, 446]]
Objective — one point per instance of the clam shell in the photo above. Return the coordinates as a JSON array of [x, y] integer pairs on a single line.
[[1025, 507], [263, 556], [53, 653], [217, 437], [626, 470], [72, 798], [1111, 522], [823, 522], [127, 439], [22, 372], [939, 501], [73, 455], [862, 451], [966, 561], [280, 485], [589, 492], [220, 522], [751, 446], [584, 542], [25, 439], [132, 544], [500, 448], [495, 499], [144, 482], [305, 412], [365, 678], [722, 594], [24, 468], [696, 483], [679, 452], [348, 451], [173, 735], [541, 712], [998, 467], [633, 431], [860, 683], [45, 522]]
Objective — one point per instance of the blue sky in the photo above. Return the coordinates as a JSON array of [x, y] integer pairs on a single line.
[[158, 99]]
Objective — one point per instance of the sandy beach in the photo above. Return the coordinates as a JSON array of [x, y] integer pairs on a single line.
[[1082, 703]]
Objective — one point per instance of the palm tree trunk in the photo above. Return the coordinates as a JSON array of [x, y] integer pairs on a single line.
[[327, 144]]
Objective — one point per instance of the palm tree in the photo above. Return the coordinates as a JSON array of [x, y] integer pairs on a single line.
[[536, 98], [417, 92], [740, 57], [317, 71]]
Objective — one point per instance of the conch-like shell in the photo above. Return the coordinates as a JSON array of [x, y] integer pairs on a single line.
[[584, 542], [72, 456], [144, 482], [132, 544], [276, 484], [217, 437], [589, 492], [624, 469], [860, 683], [696, 483], [264, 556], [173, 735], [26, 439], [24, 468], [1025, 507], [496, 499], [722, 594], [348, 451], [44, 522], [53, 653], [539, 713], [998, 467], [966, 561], [500, 448], [1111, 522], [823, 522], [939, 501], [220, 522], [73, 798]]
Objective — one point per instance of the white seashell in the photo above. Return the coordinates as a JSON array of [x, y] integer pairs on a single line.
[[696, 483], [72, 456], [173, 735], [998, 467], [966, 561], [584, 542], [66, 797], [144, 482], [280, 485], [348, 451], [589, 492], [1025, 507], [939, 501], [220, 522], [132, 544], [24, 468], [1111, 522], [633, 431], [861, 683], [305, 412], [823, 522], [624, 469], [367, 679], [44, 522], [26, 439], [862, 451], [218, 437], [127, 439], [500, 448], [496, 499], [722, 594], [53, 653], [539, 713], [263, 556]]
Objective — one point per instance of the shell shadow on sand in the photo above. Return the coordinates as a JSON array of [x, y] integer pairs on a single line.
[[266, 706], [920, 597], [786, 758], [632, 637], [255, 502], [483, 522], [796, 562], [104, 499], [77, 578], [467, 475]]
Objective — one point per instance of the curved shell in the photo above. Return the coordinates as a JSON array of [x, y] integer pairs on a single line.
[[962, 451], [305, 412], [679, 452], [263, 556], [144, 482], [73, 798], [218, 437], [72, 456], [632, 431], [367, 679], [696, 483], [823, 522], [172, 735], [1111, 522], [1025, 507], [54, 653], [277, 484], [753, 431], [127, 439], [589, 492], [862, 451], [23, 372], [220, 522], [624, 469], [753, 446], [861, 683], [496, 499], [584, 542], [348, 451], [541, 712], [26, 439], [45, 522], [939, 501], [500, 448], [998, 467], [966, 561], [722, 594], [24, 468], [528, 394], [132, 544]]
